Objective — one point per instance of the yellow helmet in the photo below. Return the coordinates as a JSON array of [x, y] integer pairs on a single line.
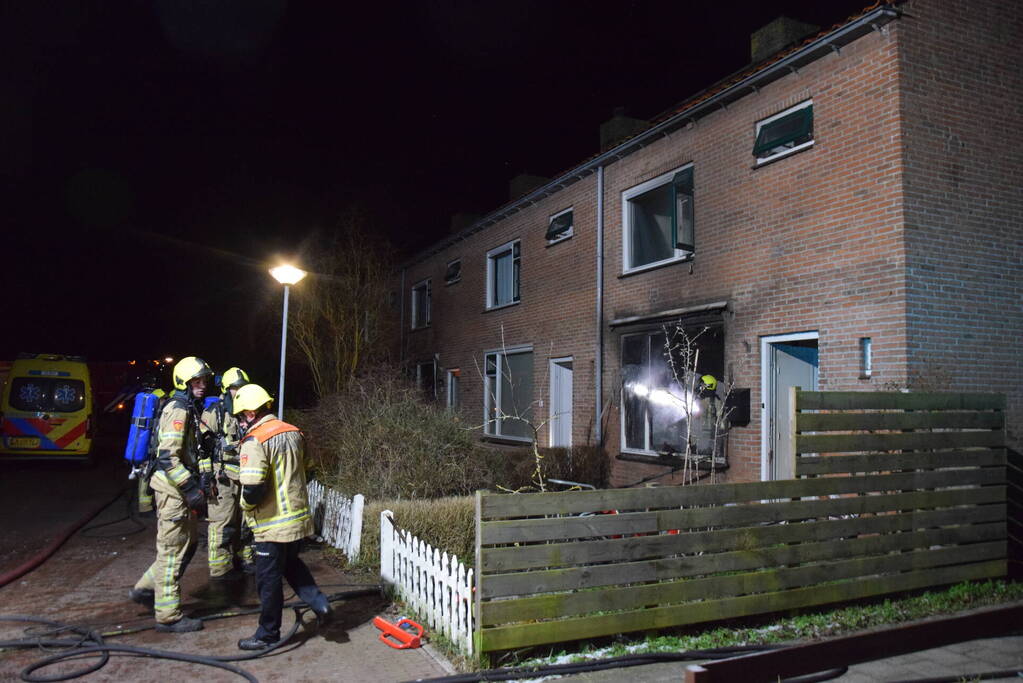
[[710, 382], [233, 378], [188, 369], [251, 397]]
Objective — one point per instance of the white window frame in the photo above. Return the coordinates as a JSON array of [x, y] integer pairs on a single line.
[[492, 255], [627, 195], [491, 393], [551, 415], [568, 233], [451, 382], [775, 117], [429, 304]]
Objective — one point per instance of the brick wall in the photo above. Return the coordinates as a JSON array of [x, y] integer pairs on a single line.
[[962, 108], [915, 126], [810, 242]]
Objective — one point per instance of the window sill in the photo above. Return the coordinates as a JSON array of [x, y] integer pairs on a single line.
[[448, 283], [559, 240], [420, 328], [502, 306], [506, 440], [784, 155], [655, 266], [702, 462]]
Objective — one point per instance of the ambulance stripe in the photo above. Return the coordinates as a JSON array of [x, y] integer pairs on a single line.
[[78, 431], [24, 427]]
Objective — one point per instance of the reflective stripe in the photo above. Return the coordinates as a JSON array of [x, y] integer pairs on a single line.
[[178, 474], [281, 520], [176, 436], [231, 467], [256, 472], [283, 504]]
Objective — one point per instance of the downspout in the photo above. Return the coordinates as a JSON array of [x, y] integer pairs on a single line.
[[401, 334], [599, 364]]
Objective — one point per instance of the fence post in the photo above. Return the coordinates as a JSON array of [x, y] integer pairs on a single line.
[[387, 549], [355, 534]]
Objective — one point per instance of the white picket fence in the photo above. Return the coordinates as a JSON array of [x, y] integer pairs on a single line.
[[338, 519], [434, 584]]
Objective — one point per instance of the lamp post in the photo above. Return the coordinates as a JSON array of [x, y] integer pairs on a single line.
[[287, 275]]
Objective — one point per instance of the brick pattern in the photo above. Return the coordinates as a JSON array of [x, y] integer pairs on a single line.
[[901, 223]]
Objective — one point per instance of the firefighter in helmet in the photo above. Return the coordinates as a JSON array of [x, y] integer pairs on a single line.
[[227, 537], [179, 497], [276, 507]]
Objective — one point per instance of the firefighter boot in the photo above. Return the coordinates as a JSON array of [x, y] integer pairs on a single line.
[[182, 625]]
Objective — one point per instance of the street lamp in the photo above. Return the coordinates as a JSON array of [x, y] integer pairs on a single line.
[[287, 275]]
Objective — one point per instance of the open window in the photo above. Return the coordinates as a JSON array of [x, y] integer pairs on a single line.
[[453, 273], [426, 378], [559, 226], [655, 408], [658, 221], [784, 133]]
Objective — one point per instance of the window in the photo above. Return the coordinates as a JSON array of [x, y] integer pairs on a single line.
[[784, 133], [654, 411], [453, 273], [33, 394], [453, 376], [657, 220], [426, 378], [508, 394], [559, 227], [503, 266], [866, 358], [421, 296]]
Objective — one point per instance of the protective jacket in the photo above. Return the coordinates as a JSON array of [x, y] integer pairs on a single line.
[[274, 498], [177, 451], [219, 420]]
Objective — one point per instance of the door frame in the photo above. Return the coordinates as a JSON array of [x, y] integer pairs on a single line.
[[765, 389], [550, 399]]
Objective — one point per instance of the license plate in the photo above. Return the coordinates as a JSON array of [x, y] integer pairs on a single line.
[[23, 442]]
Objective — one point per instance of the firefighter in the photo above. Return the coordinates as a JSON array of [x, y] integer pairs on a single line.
[[227, 536], [276, 508], [179, 498]]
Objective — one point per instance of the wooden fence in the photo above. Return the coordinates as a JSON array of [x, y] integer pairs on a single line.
[[912, 494], [337, 518]]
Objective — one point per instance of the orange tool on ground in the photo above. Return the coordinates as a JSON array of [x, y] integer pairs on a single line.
[[403, 635]]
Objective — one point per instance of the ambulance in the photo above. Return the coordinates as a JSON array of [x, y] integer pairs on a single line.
[[46, 408]]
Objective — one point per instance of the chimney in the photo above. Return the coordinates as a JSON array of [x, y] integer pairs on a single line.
[[522, 183], [619, 127], [462, 220], [776, 36]]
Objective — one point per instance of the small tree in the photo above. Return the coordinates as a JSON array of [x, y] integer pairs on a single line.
[[338, 319]]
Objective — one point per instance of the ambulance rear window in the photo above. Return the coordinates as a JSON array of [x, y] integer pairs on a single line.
[[41, 394]]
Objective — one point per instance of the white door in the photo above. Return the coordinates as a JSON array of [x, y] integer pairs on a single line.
[[788, 361], [561, 403]]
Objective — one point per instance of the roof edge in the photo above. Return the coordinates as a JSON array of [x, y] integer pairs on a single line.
[[829, 42]]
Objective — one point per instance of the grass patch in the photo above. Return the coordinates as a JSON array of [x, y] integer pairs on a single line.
[[802, 627]]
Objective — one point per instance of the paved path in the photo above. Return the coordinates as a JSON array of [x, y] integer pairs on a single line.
[[87, 580]]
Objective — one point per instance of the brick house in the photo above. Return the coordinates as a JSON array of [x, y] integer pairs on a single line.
[[845, 214]]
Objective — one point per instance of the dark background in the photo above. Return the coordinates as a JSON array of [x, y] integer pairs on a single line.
[[158, 154]]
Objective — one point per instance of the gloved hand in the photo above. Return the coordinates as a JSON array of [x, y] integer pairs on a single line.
[[195, 499], [206, 483]]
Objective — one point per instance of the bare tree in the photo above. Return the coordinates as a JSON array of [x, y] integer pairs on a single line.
[[338, 319]]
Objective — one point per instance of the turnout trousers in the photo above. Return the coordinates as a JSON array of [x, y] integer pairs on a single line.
[[275, 561], [176, 539], [227, 534]]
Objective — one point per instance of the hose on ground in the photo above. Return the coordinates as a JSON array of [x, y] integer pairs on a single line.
[[91, 642]]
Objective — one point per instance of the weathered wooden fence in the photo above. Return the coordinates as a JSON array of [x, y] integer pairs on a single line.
[[338, 518], [911, 495], [434, 584]]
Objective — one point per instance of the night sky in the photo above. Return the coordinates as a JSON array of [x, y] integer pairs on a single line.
[[157, 154]]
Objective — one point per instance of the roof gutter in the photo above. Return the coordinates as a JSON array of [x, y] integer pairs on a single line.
[[830, 42]]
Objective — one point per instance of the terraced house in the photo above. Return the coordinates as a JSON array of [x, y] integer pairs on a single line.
[[844, 214]]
